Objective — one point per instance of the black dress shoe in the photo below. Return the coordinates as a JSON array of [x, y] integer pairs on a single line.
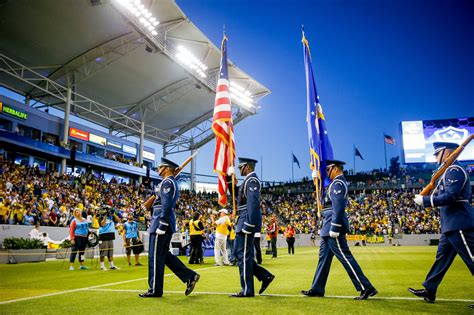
[[240, 295], [148, 294], [311, 293], [266, 283], [425, 294], [364, 295], [191, 283], [471, 306]]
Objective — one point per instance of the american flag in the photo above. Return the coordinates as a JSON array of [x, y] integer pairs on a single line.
[[223, 127], [389, 140]]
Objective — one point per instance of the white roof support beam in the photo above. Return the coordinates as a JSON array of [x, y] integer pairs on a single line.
[[163, 97], [160, 42], [84, 105], [200, 133], [95, 60]]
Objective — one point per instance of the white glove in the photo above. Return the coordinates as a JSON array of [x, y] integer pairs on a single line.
[[314, 174], [160, 232], [231, 170], [158, 188], [418, 200], [333, 234]]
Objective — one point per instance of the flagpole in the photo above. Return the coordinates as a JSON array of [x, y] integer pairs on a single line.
[[354, 153], [261, 168], [232, 162], [385, 150], [292, 175]]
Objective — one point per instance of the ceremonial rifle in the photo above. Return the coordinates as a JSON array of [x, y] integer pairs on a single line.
[[149, 202], [449, 161]]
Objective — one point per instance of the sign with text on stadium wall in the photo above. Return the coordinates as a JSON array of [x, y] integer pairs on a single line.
[[78, 134], [149, 155], [13, 112], [114, 144], [97, 139], [129, 149]]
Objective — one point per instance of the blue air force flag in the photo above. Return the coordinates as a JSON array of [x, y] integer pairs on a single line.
[[319, 145]]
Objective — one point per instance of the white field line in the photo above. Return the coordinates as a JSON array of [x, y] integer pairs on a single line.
[[87, 288], [294, 295], [113, 283]]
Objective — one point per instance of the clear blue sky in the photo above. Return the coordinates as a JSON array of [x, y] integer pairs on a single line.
[[376, 63]]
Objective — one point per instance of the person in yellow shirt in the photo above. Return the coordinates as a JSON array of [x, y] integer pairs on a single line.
[[196, 233], [230, 242], [18, 214], [4, 213], [220, 242]]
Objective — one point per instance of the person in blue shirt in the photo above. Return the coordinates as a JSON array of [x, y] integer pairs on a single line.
[[248, 223], [131, 239], [78, 232], [28, 219], [454, 197], [162, 227], [107, 237], [333, 239]]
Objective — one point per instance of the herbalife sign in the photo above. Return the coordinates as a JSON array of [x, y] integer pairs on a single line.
[[13, 112]]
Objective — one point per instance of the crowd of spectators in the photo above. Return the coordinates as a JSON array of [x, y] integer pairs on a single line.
[[122, 159], [28, 196], [378, 212]]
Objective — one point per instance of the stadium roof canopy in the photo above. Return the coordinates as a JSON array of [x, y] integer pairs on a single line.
[[122, 69]]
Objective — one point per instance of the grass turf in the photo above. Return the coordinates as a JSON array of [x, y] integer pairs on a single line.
[[391, 269]]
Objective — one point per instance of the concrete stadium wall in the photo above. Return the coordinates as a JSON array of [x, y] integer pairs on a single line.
[[59, 233], [54, 233], [402, 240]]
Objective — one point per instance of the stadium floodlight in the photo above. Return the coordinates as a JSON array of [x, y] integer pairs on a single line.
[[241, 95], [191, 61], [145, 17]]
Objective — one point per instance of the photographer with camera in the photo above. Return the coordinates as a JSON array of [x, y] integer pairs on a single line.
[[131, 240], [107, 222]]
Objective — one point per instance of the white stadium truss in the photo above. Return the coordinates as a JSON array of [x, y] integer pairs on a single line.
[[120, 73]]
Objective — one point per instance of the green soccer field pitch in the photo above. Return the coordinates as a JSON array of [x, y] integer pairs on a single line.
[[50, 287]]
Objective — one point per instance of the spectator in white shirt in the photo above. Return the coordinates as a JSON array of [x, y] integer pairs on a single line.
[[222, 231], [35, 233]]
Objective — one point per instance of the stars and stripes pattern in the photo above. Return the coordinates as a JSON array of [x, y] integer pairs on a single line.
[[223, 127], [389, 140]]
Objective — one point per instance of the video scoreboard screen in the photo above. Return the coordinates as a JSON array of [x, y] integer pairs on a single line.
[[418, 137]]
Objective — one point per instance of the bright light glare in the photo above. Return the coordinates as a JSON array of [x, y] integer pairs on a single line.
[[144, 16], [241, 95], [191, 61]]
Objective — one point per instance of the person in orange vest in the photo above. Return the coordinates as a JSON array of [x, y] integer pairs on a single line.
[[290, 239], [273, 233]]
